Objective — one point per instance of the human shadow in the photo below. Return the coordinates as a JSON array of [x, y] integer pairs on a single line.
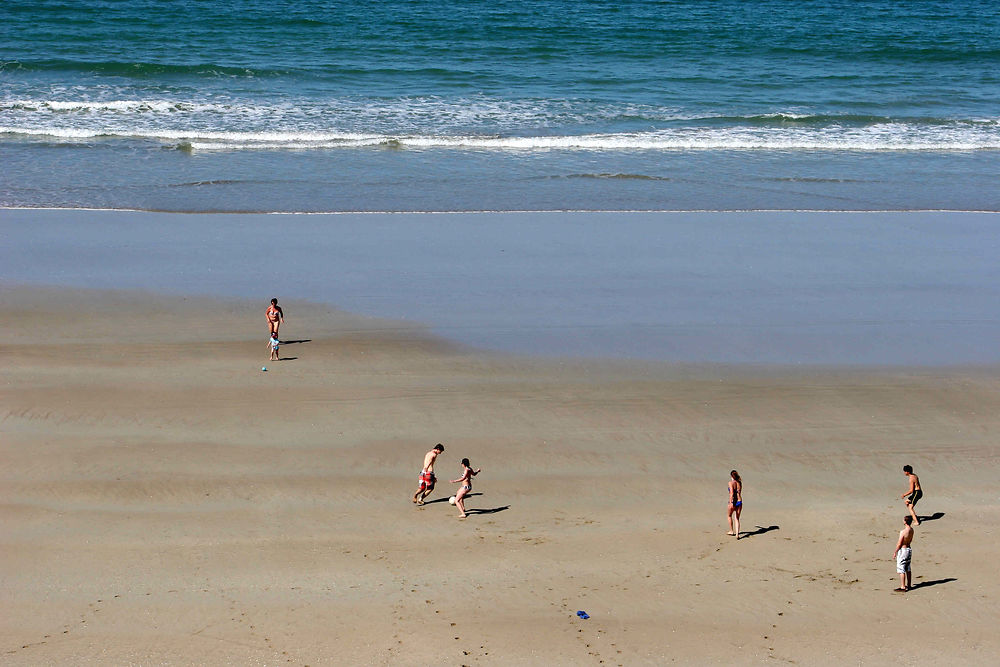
[[445, 499], [487, 511], [928, 584], [760, 531], [296, 342], [287, 358], [932, 517]]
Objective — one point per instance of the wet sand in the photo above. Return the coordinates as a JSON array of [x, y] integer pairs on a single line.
[[165, 501], [751, 287]]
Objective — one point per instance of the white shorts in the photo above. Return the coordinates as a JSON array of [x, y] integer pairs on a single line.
[[903, 560]]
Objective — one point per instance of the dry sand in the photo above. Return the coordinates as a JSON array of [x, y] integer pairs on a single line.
[[163, 501]]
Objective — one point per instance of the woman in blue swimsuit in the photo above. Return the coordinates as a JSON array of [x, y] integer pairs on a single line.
[[735, 503]]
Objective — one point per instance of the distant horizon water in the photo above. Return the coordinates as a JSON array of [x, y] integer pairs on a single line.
[[405, 105]]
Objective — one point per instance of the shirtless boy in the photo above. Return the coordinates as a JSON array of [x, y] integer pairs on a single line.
[[903, 554], [275, 317], [913, 494], [427, 478]]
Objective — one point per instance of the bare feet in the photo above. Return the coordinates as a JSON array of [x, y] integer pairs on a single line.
[[730, 533], [899, 590], [462, 516]]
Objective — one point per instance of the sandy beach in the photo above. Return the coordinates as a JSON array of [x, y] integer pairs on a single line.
[[164, 501], [608, 252]]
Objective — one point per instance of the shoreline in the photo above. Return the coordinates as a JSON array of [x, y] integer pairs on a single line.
[[504, 211], [21, 297], [818, 289], [166, 501]]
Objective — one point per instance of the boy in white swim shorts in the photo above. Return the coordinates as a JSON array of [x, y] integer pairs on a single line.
[[903, 554]]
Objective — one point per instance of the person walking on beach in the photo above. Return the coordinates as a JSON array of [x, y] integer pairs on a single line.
[[903, 554], [275, 317], [427, 478], [273, 343], [466, 481], [735, 503], [913, 493]]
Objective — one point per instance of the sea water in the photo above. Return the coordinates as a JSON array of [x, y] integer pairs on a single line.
[[471, 105], [511, 105], [913, 288]]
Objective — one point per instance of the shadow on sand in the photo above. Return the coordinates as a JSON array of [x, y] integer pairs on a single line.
[[487, 511], [444, 500], [928, 584], [295, 342], [932, 517], [760, 531]]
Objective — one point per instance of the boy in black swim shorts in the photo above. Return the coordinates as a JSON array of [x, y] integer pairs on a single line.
[[913, 494]]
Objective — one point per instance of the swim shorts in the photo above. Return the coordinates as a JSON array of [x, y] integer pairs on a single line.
[[914, 497], [903, 560], [426, 479]]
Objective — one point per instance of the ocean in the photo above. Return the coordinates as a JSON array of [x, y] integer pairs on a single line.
[[505, 105], [512, 133]]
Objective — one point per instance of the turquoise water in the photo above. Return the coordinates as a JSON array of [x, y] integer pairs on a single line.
[[500, 105]]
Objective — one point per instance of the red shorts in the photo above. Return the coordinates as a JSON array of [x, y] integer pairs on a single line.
[[426, 479]]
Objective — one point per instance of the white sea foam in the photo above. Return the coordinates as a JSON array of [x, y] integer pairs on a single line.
[[473, 120], [404, 114], [114, 106], [896, 137], [474, 123]]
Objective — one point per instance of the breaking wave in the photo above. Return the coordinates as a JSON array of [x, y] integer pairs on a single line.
[[883, 137]]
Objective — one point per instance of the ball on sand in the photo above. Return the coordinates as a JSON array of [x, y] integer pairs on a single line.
[[263, 368], [452, 500]]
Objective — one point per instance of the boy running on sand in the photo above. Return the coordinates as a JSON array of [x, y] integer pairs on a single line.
[[427, 478], [913, 494]]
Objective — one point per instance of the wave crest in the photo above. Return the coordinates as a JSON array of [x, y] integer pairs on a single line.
[[879, 139], [142, 69], [113, 106]]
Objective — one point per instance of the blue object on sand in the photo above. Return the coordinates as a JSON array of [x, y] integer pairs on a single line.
[[583, 614]]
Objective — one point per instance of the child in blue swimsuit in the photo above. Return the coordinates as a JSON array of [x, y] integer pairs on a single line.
[[273, 344]]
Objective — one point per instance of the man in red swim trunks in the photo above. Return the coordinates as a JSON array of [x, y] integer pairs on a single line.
[[427, 478]]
